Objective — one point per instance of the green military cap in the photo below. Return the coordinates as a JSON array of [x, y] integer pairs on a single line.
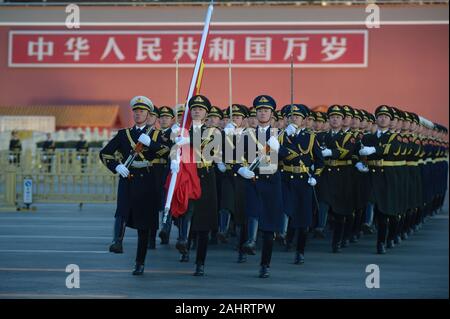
[[166, 111], [335, 110], [348, 110], [358, 114], [237, 109], [384, 110], [319, 117], [200, 101], [215, 111], [252, 112]]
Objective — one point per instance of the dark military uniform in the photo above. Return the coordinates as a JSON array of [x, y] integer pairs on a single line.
[[264, 203], [233, 185], [202, 214], [161, 169], [304, 159], [384, 180], [336, 188], [136, 195]]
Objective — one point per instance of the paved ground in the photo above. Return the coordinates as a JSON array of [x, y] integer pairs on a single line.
[[36, 247]]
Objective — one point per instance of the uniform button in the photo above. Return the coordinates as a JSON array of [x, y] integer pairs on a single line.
[[373, 171], [301, 176], [382, 170], [267, 176], [142, 175], [329, 169], [202, 176], [292, 177], [257, 177], [338, 169], [234, 174]]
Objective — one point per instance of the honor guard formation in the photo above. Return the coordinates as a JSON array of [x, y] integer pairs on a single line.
[[280, 174]]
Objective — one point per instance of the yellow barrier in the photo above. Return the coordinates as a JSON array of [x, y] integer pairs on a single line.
[[64, 176]]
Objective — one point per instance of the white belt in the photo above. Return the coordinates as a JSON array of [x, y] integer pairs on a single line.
[[140, 164]]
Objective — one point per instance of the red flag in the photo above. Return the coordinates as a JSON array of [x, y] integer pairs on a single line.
[[187, 187]]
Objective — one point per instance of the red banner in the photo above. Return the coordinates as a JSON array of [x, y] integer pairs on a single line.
[[261, 48]]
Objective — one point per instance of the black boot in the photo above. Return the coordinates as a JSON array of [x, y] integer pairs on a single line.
[[138, 269], [299, 258], [184, 258], [152, 240], [242, 258], [264, 271], [390, 244], [164, 233], [119, 232], [184, 226], [337, 234], [381, 250], [199, 270], [249, 247]]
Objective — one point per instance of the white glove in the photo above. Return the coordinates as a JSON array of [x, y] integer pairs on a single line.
[[361, 167], [181, 140], [246, 173], [273, 143], [291, 129], [326, 152], [367, 150], [144, 139], [222, 168], [175, 166], [229, 129], [122, 170], [175, 129], [312, 181]]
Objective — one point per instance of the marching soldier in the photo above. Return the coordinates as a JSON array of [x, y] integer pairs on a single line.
[[251, 120], [322, 211], [201, 216], [136, 196], [301, 166], [381, 149], [214, 119], [336, 181], [15, 148], [264, 203], [232, 202], [161, 166], [48, 151]]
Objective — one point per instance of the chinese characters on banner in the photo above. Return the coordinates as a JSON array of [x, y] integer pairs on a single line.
[[272, 48]]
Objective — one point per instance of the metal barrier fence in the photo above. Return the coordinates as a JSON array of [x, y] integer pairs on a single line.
[[63, 176]]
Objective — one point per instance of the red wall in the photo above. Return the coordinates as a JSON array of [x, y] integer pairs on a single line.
[[408, 68]]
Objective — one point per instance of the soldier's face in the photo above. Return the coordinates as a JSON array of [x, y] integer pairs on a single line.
[[309, 122], [237, 119], [383, 121], [198, 113], [297, 120], [347, 121], [252, 122], [335, 121], [214, 121], [165, 121], [356, 122], [406, 125], [393, 124], [264, 115], [318, 126], [140, 116]]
